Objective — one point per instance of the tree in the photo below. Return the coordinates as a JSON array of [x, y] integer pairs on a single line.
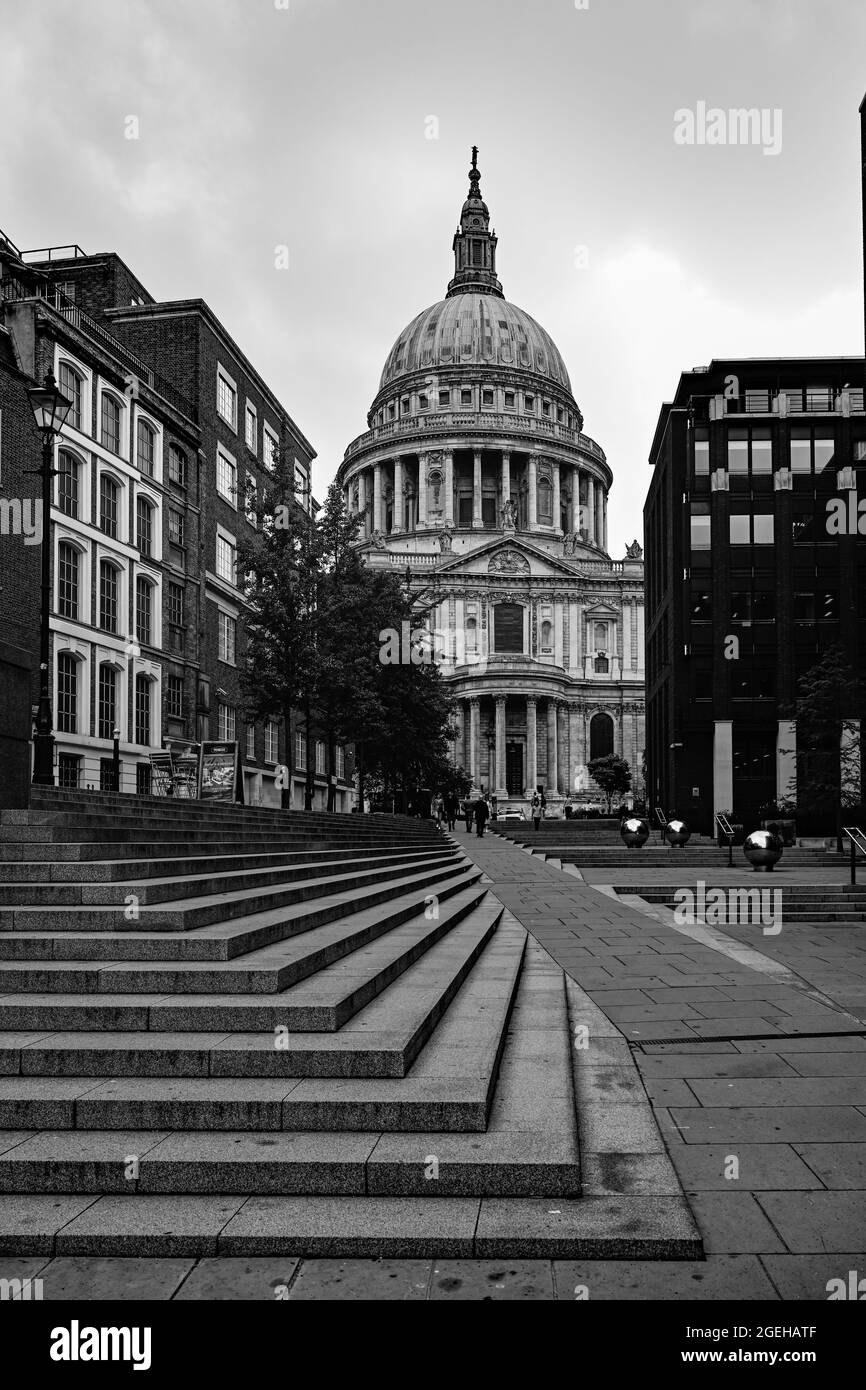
[[829, 700], [279, 570], [612, 774]]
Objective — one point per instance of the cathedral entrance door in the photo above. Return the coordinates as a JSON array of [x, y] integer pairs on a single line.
[[514, 768]]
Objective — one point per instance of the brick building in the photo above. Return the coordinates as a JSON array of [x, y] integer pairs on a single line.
[[172, 429]]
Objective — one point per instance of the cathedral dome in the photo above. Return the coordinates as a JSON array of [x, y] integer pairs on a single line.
[[475, 329]]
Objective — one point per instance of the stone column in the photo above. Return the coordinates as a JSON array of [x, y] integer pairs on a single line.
[[474, 739], [557, 498], [590, 506], [449, 488], [500, 787], [476, 489], [604, 506], [723, 766], [362, 502], [575, 500], [378, 517], [422, 489], [398, 495], [574, 746], [599, 514], [531, 745], [786, 760], [562, 757], [506, 478], [552, 762], [532, 491]]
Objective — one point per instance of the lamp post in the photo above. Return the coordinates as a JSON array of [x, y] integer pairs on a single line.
[[115, 760], [50, 409]]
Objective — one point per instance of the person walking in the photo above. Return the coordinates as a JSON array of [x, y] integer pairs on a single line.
[[536, 811], [482, 812], [468, 812], [452, 806], [438, 809]]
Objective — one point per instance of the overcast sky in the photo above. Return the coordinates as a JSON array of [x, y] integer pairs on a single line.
[[305, 123]]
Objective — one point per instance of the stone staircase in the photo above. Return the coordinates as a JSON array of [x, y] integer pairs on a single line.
[[240, 1031], [824, 904]]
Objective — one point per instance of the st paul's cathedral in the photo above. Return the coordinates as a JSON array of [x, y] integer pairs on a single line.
[[475, 479]]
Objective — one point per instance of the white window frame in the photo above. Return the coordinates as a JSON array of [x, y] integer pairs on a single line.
[[272, 742], [156, 427], [250, 503], [224, 377], [269, 437], [223, 535], [227, 460], [64, 358], [250, 413], [223, 619]]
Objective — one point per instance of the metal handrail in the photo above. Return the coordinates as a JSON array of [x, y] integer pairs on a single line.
[[858, 841], [727, 830]]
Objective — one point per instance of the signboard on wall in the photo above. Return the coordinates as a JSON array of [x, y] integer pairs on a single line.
[[218, 777]]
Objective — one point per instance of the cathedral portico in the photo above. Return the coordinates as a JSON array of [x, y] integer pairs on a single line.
[[475, 474]]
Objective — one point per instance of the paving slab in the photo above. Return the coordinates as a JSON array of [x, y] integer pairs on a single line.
[[106, 1279], [29, 1224], [813, 1222], [237, 1280], [807, 1278], [733, 1223], [627, 1227], [511, 1281], [717, 1277]]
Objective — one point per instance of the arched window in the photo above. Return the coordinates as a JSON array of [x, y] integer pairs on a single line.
[[601, 637], [70, 384], [471, 635], [68, 476], [108, 505], [144, 525], [142, 710], [107, 719], [109, 586], [145, 447], [110, 432], [68, 580], [67, 693], [144, 610], [545, 500], [547, 636], [600, 736]]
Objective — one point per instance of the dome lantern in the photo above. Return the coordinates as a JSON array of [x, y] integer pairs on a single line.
[[474, 244]]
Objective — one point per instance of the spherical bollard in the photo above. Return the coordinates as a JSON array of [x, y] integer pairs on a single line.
[[763, 850], [678, 833], [634, 831]]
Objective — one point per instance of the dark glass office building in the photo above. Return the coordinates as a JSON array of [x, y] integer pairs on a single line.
[[755, 527]]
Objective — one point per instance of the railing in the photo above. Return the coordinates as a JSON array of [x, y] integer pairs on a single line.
[[487, 421], [727, 830], [858, 841], [14, 291], [799, 400], [55, 253], [662, 821]]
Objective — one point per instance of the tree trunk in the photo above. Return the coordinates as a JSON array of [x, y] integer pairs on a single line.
[[309, 780], [332, 773], [359, 763]]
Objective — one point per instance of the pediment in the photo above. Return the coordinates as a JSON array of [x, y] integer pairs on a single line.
[[509, 557]]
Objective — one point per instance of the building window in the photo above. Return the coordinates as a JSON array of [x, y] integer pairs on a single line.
[[68, 769], [142, 710], [600, 736], [67, 693], [108, 586], [226, 477], [271, 741], [702, 453], [471, 635], [176, 527], [108, 493], [487, 398], [738, 451], [226, 723], [301, 751], [271, 447], [701, 531], [508, 627], [702, 606], [423, 402], [142, 779], [68, 469], [341, 764], [740, 530], [509, 400], [107, 701], [251, 742], [174, 697], [547, 637], [70, 385], [320, 757], [763, 528], [545, 408], [144, 611], [175, 617], [302, 487], [226, 554], [251, 428], [602, 665], [466, 397], [144, 525], [176, 466], [227, 638], [545, 501], [145, 448], [444, 400], [251, 501], [68, 562], [110, 435], [227, 399], [529, 404]]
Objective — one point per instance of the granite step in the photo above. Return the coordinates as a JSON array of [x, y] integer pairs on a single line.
[[453, 1091], [378, 1042], [221, 878], [207, 909]]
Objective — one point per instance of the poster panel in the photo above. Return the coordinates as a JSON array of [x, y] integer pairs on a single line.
[[219, 763]]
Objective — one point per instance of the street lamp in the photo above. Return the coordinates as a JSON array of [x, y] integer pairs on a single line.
[[115, 760], [50, 410]]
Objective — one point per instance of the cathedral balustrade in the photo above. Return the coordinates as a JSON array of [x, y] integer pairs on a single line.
[[463, 422]]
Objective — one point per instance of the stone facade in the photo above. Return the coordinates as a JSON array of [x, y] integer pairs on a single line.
[[474, 472]]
